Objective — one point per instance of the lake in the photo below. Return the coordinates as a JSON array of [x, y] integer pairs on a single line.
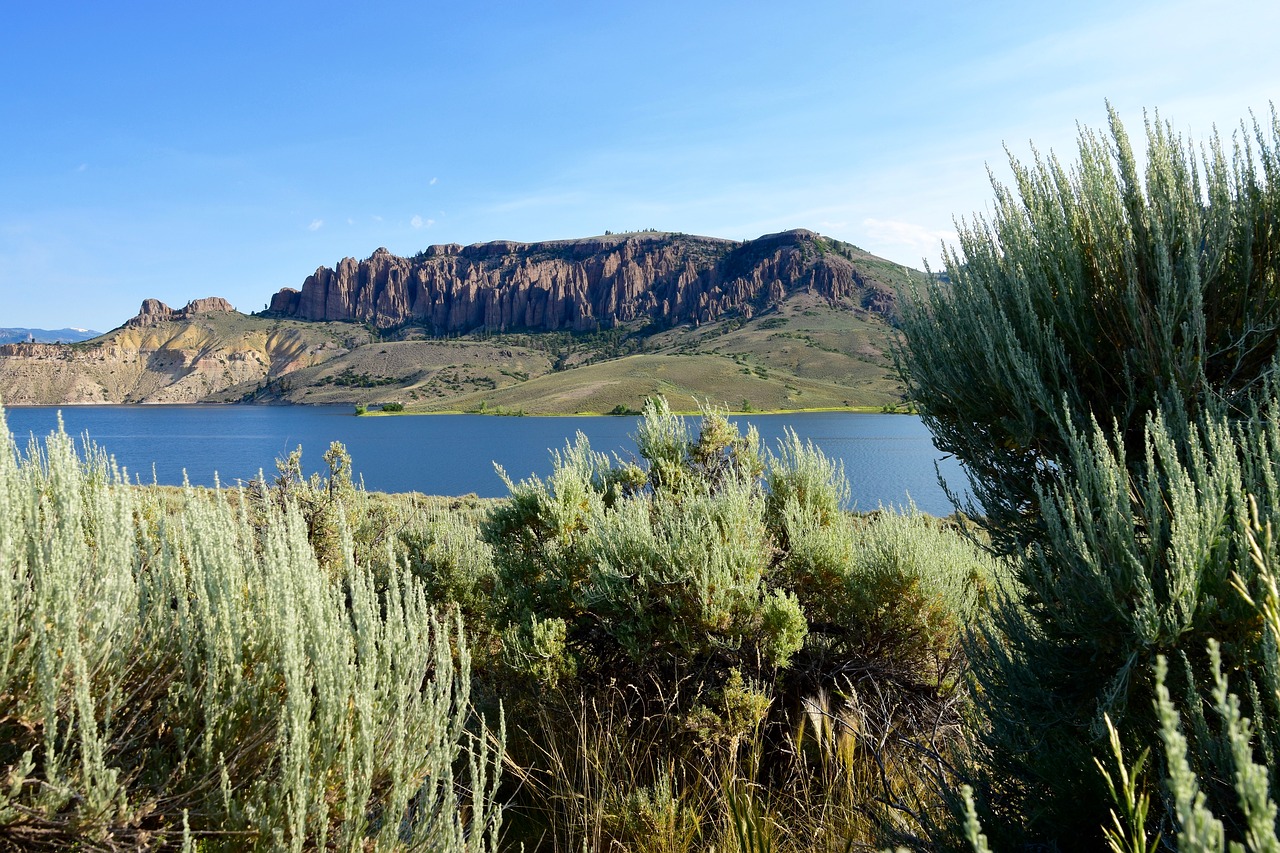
[[887, 458]]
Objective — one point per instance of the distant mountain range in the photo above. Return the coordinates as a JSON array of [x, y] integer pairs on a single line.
[[791, 320], [46, 336]]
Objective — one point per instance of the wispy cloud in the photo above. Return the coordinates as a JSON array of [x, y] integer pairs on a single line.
[[539, 201], [1148, 56], [419, 222], [896, 238], [316, 225], [432, 182], [83, 167]]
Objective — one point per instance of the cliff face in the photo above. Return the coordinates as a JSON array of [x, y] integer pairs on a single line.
[[582, 284], [154, 311]]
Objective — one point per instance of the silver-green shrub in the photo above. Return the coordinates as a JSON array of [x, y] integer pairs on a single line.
[[1106, 290], [190, 676], [664, 565], [444, 551], [889, 587], [1101, 355], [696, 598]]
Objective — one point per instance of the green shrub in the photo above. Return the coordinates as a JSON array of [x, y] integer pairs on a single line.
[[1097, 293], [445, 552], [1103, 363], [326, 504], [691, 602], [639, 569], [170, 677]]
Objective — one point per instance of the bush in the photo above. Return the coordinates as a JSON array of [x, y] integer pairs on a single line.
[[1103, 362], [170, 678], [668, 565], [445, 552], [1093, 295], [664, 621]]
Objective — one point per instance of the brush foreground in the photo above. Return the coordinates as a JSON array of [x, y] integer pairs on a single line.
[[701, 647]]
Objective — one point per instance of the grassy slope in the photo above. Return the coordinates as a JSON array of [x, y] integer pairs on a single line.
[[422, 371], [806, 355]]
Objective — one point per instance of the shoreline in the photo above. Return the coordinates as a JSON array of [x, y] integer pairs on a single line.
[[853, 410], [496, 413]]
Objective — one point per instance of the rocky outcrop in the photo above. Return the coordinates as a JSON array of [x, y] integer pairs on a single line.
[[581, 285], [154, 311]]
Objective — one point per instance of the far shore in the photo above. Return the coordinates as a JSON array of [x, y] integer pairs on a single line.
[[495, 412], [857, 410]]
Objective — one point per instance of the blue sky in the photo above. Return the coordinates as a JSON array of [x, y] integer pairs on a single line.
[[176, 150]]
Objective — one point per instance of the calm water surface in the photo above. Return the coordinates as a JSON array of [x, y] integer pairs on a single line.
[[886, 457]]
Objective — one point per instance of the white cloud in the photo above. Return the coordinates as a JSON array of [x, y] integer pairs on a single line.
[[316, 225], [83, 167], [377, 218], [432, 182], [893, 238], [419, 222], [350, 221]]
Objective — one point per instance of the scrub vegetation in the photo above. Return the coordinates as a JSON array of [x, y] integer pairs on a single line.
[[700, 648], [1103, 360], [688, 649], [219, 670]]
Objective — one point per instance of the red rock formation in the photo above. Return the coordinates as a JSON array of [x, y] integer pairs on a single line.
[[583, 284]]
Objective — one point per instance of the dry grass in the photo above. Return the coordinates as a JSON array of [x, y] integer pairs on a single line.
[[807, 355]]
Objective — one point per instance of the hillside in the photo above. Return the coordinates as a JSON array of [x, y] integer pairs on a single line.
[[193, 358], [789, 321]]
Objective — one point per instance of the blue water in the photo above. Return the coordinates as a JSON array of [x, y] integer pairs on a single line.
[[888, 458]]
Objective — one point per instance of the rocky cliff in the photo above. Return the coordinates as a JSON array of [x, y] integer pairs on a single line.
[[584, 284], [154, 311]]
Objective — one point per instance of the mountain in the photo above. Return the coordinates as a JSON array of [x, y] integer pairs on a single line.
[[588, 284], [788, 321], [46, 336]]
